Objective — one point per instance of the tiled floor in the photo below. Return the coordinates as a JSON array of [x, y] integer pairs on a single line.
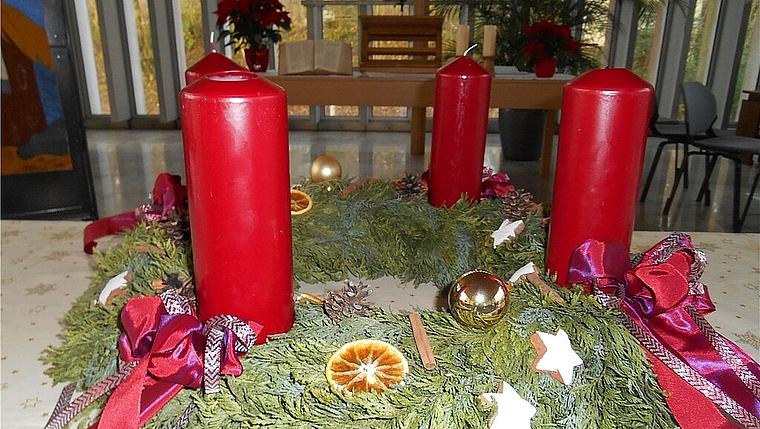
[[126, 163]]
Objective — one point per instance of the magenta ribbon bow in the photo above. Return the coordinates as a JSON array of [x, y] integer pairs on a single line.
[[494, 185], [168, 194], [665, 303], [164, 349]]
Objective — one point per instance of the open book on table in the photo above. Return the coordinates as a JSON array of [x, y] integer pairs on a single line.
[[315, 57]]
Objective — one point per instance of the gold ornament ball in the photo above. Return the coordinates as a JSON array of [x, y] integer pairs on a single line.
[[326, 168], [478, 299]]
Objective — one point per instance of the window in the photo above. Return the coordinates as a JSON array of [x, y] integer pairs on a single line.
[[119, 68], [702, 40], [749, 66], [92, 56], [649, 35], [194, 39], [142, 64]]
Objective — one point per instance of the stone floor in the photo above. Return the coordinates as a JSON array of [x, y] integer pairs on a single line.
[[125, 164]]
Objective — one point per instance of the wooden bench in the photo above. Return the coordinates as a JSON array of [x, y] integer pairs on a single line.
[[405, 44]]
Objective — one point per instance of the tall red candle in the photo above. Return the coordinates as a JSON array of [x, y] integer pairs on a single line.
[[213, 62], [600, 155], [460, 125], [235, 132]]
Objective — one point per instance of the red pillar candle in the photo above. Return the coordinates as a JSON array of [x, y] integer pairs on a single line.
[[235, 132], [460, 124], [600, 155], [213, 62]]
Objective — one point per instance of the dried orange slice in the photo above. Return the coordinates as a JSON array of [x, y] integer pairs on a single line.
[[366, 365], [300, 202]]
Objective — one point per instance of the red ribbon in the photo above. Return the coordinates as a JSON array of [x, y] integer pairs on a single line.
[[167, 339], [495, 185], [168, 194], [664, 302], [164, 348]]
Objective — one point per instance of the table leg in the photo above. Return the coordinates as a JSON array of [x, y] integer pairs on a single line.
[[550, 125], [418, 123]]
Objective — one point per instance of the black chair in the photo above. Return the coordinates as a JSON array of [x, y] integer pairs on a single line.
[[701, 113], [674, 133]]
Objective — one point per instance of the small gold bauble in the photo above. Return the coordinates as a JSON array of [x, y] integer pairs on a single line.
[[326, 168], [478, 299]]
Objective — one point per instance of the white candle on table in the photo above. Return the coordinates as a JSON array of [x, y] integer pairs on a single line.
[[463, 39], [489, 40]]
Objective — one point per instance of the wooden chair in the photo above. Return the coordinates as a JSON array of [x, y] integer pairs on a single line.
[[400, 44]]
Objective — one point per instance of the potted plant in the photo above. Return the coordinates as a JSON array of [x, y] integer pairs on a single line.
[[584, 19], [545, 43], [518, 40], [251, 25]]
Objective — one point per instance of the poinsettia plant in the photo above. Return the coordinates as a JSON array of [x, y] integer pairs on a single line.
[[251, 23], [547, 39], [586, 18]]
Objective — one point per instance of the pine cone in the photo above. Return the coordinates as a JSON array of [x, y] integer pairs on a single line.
[[178, 282], [351, 301], [410, 187], [518, 204], [175, 226]]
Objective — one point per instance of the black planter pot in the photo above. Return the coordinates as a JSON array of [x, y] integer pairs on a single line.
[[522, 133]]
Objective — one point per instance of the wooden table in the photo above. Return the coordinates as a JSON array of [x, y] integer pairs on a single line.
[[522, 91], [749, 115]]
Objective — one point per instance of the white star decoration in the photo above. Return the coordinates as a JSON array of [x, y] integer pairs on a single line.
[[526, 269], [506, 231], [559, 356], [116, 282], [513, 412]]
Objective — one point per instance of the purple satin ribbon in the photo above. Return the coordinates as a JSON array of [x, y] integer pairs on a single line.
[[169, 342], [168, 193], [495, 185], [164, 348], [663, 296]]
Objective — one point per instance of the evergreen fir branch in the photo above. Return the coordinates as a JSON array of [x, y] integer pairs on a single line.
[[370, 233]]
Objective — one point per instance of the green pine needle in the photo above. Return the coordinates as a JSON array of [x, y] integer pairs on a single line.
[[372, 233]]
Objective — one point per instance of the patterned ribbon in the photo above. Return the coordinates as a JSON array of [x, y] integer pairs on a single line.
[[164, 349], [663, 304], [168, 194]]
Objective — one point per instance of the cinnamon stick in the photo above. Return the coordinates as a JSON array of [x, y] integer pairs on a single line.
[[421, 339]]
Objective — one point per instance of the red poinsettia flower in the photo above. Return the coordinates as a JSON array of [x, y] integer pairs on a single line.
[[251, 23], [546, 39]]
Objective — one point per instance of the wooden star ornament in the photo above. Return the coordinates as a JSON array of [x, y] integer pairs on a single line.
[[507, 231], [115, 288], [513, 412], [555, 356]]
